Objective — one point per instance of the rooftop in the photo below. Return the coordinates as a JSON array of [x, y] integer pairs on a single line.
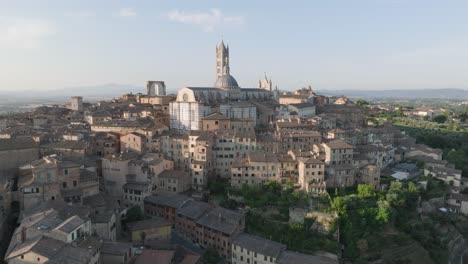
[[288, 257], [338, 144], [17, 143], [168, 199], [174, 174], [259, 245], [194, 209], [220, 219], [152, 256], [115, 248], [148, 224]]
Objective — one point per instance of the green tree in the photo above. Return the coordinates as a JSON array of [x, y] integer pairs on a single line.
[[365, 191], [395, 194], [412, 187], [133, 214], [211, 256], [361, 102], [383, 214], [440, 119]]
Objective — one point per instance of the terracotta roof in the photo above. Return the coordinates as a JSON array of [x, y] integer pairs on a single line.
[[148, 224], [152, 256], [17, 143], [337, 144]]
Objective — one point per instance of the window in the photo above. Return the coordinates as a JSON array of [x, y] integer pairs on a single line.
[[64, 185], [65, 171]]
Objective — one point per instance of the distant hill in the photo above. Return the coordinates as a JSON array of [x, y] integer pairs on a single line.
[[448, 93], [89, 93]]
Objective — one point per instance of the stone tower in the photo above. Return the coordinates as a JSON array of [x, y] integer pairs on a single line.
[[77, 103], [222, 60]]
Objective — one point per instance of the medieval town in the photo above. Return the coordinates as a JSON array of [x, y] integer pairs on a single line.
[[241, 175]]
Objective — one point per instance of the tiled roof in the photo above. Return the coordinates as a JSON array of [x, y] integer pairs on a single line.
[[338, 144], [288, 257], [220, 219], [168, 199], [17, 143], [148, 224], [259, 245], [194, 209], [115, 248]]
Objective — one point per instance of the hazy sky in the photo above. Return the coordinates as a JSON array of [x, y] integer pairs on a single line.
[[373, 44]]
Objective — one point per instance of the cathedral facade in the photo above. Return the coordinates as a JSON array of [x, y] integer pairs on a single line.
[[225, 97]]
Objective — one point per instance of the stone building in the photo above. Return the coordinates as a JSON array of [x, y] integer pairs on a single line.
[[202, 167], [298, 139], [217, 227], [312, 175], [57, 234], [187, 215], [133, 141], [77, 103], [15, 152], [338, 156], [194, 103], [165, 205], [154, 229], [50, 179], [174, 181], [105, 144], [255, 169], [215, 121], [155, 88], [249, 249], [135, 193]]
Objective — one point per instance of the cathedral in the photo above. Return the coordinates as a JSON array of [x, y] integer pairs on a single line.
[[226, 97]]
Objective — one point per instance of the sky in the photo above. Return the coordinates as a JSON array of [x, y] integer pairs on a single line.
[[332, 44]]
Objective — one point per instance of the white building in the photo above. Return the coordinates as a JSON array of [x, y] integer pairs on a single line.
[[226, 97]]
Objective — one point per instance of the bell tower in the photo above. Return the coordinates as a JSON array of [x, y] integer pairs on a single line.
[[222, 60]]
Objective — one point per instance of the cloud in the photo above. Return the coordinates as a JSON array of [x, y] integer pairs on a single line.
[[81, 14], [207, 21], [127, 12], [22, 32]]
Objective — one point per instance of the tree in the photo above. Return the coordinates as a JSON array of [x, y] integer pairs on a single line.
[[365, 191], [133, 214], [383, 214], [412, 187], [361, 102], [211, 256], [440, 119]]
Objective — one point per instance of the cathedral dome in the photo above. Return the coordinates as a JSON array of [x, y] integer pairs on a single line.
[[226, 82]]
